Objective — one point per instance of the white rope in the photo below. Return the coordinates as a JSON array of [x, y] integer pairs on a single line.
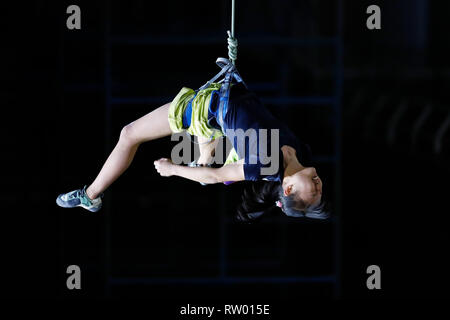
[[232, 41]]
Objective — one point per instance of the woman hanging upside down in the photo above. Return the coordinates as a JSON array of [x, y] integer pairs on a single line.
[[286, 180]]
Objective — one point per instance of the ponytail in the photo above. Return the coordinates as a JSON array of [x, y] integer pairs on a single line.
[[257, 200]]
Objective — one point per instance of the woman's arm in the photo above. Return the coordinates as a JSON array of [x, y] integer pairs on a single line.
[[230, 172]]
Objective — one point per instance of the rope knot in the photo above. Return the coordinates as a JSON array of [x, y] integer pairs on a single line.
[[232, 47]]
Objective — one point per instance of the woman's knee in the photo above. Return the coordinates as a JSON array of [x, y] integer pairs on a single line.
[[129, 135]]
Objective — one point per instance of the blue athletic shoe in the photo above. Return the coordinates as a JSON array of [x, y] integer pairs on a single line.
[[79, 198]]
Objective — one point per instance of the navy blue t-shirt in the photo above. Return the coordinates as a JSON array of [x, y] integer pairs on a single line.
[[245, 111]]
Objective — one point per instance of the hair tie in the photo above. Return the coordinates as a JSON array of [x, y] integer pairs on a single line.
[[279, 204]]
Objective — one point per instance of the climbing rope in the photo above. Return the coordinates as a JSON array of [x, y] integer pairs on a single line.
[[232, 41], [226, 68], [232, 48]]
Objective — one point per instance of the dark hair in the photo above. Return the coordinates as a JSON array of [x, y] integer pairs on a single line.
[[260, 197]]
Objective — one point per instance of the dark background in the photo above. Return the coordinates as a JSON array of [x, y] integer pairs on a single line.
[[369, 102]]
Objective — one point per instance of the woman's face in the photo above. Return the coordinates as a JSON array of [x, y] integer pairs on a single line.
[[304, 184]]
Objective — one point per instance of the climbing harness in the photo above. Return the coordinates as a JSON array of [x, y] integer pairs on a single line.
[[230, 76]]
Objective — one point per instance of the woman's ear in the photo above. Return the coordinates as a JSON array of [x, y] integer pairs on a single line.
[[288, 190]]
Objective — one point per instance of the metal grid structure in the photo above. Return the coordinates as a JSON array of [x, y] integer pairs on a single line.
[[334, 101]]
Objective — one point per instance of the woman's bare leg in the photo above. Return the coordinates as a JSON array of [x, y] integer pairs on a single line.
[[207, 150], [152, 126]]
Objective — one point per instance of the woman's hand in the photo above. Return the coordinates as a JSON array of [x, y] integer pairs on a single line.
[[164, 167]]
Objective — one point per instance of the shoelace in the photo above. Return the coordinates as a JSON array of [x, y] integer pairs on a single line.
[[80, 193], [75, 194]]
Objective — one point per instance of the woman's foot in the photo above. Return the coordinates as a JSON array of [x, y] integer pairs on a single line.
[[79, 198]]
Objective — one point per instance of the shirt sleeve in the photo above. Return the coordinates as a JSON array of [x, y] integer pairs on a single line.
[[252, 172]]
